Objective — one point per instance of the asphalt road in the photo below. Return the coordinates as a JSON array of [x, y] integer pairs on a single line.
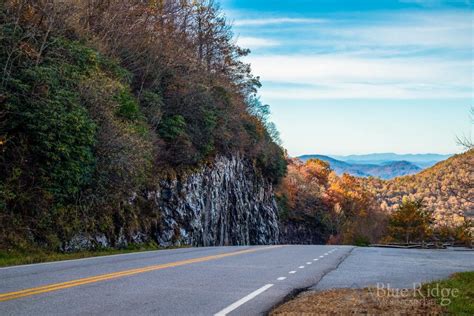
[[195, 281]]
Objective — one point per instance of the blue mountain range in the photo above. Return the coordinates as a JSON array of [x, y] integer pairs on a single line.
[[383, 165]]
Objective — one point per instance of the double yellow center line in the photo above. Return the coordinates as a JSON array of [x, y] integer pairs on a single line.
[[103, 277]]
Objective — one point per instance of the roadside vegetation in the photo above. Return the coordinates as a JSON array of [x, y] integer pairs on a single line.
[[413, 222]]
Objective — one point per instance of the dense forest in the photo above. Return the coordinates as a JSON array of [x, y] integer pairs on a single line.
[[99, 99]]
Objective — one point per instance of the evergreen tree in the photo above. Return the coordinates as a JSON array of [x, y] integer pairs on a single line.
[[411, 222]]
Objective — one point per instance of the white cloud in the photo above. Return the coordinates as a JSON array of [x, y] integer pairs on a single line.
[[434, 3], [304, 68], [345, 76], [439, 30], [270, 21], [360, 91], [255, 42]]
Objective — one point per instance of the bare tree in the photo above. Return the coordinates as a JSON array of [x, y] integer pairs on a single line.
[[466, 140]]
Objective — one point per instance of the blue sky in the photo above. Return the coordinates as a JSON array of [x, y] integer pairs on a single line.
[[361, 76]]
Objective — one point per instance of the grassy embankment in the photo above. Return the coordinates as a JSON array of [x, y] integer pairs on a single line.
[[461, 302], [28, 256]]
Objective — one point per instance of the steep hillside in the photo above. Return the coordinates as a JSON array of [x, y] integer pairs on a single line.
[[116, 117], [383, 170], [446, 188]]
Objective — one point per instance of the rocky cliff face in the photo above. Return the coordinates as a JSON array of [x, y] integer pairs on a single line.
[[225, 203]]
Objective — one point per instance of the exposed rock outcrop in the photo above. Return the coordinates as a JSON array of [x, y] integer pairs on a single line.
[[224, 203]]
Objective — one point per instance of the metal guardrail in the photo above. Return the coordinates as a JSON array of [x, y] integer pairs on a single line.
[[424, 245]]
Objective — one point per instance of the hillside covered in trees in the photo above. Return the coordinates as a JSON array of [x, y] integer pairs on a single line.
[[446, 189], [318, 205], [101, 99]]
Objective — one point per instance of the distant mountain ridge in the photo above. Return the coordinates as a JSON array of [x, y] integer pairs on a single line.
[[421, 160], [382, 169], [380, 165]]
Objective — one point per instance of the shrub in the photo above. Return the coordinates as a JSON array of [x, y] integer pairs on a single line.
[[152, 104], [172, 127], [127, 105]]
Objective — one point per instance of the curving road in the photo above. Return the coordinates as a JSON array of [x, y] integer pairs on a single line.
[[208, 281]]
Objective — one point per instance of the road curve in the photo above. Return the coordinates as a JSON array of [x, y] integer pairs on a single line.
[[189, 281]]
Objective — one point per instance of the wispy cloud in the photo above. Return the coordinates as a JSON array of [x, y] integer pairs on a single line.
[[345, 76], [445, 30], [360, 91], [255, 42], [273, 21], [434, 3]]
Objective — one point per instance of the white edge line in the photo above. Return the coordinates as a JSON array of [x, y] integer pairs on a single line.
[[243, 300]]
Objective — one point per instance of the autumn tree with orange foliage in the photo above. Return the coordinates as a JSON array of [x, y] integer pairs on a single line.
[[339, 209], [361, 221]]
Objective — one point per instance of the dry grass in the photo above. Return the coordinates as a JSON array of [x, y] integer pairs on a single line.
[[358, 302]]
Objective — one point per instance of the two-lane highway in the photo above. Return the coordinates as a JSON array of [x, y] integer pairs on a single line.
[[210, 281], [192, 281]]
